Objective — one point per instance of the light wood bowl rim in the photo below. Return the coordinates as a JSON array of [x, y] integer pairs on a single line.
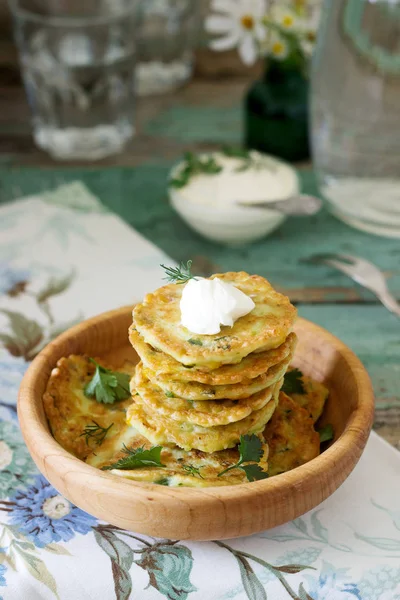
[[54, 457]]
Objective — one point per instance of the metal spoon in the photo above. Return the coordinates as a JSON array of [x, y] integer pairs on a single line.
[[300, 205]]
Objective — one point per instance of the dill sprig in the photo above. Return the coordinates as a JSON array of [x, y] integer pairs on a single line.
[[180, 274], [95, 432], [192, 470], [194, 165]]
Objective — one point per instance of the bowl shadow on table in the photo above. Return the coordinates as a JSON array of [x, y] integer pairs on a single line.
[[206, 513]]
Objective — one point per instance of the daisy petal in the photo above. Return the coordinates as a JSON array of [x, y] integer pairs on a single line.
[[260, 32], [225, 43], [218, 24], [256, 8], [227, 6], [247, 50]]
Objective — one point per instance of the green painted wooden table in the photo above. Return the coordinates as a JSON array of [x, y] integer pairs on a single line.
[[138, 195]]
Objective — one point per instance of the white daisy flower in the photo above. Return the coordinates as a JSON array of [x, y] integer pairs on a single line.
[[308, 29], [284, 17], [278, 47], [240, 23]]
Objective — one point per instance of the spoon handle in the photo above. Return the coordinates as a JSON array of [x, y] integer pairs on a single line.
[[301, 205]]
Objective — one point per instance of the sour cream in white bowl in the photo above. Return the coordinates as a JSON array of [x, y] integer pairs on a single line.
[[206, 197]]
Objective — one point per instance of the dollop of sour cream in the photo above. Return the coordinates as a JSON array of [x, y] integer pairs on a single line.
[[206, 304]]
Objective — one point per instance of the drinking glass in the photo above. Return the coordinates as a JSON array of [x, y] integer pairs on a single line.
[[355, 109], [78, 66], [166, 38]]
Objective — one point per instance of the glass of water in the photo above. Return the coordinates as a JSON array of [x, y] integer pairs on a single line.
[[166, 38], [78, 66], [356, 112]]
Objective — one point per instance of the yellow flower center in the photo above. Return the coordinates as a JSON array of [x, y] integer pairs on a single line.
[[278, 48], [247, 22], [287, 21]]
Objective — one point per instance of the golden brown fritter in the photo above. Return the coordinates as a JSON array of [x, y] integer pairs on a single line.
[[182, 468], [69, 411], [267, 326], [314, 398], [255, 364], [166, 432], [291, 437], [205, 414]]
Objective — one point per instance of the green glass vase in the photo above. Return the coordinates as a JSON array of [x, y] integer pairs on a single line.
[[276, 113]]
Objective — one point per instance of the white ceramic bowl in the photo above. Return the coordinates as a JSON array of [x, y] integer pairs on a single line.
[[228, 223]]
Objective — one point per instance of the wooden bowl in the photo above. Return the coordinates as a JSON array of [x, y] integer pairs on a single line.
[[205, 513]]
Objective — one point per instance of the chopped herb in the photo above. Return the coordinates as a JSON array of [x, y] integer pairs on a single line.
[[164, 481], [250, 450], [191, 470], [254, 472], [293, 383], [138, 458], [95, 432], [194, 165], [169, 394], [224, 342], [107, 386], [195, 342], [249, 160], [235, 152], [326, 433], [180, 274], [188, 366]]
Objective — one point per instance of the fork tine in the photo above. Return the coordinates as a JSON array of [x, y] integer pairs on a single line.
[[349, 257], [343, 267]]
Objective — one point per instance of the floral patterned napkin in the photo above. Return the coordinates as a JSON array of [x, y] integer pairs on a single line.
[[63, 258]]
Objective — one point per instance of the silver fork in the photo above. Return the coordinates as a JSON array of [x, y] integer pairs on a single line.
[[362, 272]]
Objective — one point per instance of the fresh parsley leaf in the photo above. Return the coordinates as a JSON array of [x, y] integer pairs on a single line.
[[250, 450], [169, 394], [293, 383], [191, 470], [326, 433], [195, 342], [180, 274], [107, 386], [138, 458], [254, 472], [194, 165], [163, 481], [95, 432]]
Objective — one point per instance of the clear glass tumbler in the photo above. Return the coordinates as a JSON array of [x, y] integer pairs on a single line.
[[355, 109], [166, 38], [78, 66]]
